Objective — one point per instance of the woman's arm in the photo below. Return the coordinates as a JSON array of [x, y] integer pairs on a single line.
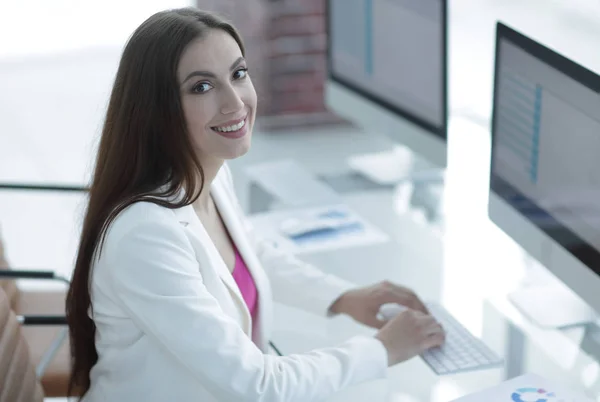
[[155, 277]]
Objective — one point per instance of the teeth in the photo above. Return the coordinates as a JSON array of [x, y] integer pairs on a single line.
[[235, 127]]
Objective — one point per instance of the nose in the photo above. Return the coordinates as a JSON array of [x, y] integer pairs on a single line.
[[231, 102]]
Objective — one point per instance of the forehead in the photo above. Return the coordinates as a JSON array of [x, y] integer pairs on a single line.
[[214, 52]]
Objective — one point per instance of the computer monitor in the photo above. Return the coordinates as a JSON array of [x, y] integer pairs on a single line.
[[545, 171], [387, 70]]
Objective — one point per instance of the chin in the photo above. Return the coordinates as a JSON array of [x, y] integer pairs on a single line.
[[235, 155], [238, 150]]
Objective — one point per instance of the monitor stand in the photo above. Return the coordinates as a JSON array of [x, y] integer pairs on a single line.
[[395, 166], [417, 183], [548, 303]]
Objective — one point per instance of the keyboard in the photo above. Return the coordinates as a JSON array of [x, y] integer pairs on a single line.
[[461, 351]]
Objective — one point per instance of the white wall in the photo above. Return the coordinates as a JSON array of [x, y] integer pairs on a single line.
[[571, 27], [35, 27]]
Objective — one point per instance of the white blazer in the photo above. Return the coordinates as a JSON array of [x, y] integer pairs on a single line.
[[171, 324]]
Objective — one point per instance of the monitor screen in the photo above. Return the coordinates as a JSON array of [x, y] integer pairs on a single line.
[[394, 53], [546, 142]]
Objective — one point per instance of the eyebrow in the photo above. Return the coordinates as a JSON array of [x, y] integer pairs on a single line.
[[236, 63]]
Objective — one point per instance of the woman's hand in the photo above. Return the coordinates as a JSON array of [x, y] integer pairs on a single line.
[[363, 304], [409, 334]]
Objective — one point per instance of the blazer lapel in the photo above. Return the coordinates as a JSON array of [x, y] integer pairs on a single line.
[[235, 226], [189, 219]]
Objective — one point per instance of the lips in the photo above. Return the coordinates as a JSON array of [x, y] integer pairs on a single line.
[[233, 129], [232, 125]]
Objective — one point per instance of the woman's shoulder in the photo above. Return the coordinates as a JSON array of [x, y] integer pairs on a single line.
[[141, 235], [143, 212], [142, 217]]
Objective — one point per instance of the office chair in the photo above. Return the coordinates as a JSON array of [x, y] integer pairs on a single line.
[[44, 328], [48, 344], [18, 379]]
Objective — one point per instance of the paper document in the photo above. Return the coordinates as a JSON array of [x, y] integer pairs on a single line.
[[526, 388], [317, 229]]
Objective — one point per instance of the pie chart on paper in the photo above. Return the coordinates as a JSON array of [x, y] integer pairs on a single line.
[[533, 395]]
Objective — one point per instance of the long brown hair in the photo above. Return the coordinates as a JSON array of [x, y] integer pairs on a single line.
[[144, 146]]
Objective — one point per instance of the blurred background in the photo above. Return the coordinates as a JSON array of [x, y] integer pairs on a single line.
[[58, 59]]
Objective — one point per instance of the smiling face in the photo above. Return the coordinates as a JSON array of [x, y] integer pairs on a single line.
[[217, 96]]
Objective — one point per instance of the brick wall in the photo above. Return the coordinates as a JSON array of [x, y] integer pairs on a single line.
[[286, 44], [297, 44]]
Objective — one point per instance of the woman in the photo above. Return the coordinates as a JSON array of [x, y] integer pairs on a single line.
[[171, 293]]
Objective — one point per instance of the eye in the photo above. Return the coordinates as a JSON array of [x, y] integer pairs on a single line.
[[240, 74], [201, 87]]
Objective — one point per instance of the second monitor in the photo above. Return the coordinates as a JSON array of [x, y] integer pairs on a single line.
[[388, 70], [545, 173]]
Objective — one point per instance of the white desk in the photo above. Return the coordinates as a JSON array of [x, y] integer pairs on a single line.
[[469, 269], [418, 261]]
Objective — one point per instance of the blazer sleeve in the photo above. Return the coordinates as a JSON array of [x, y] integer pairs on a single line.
[[294, 282], [154, 274]]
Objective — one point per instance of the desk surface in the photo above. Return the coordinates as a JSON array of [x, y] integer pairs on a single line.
[[438, 275], [469, 268]]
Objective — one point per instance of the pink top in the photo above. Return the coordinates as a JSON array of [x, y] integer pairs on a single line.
[[244, 280]]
